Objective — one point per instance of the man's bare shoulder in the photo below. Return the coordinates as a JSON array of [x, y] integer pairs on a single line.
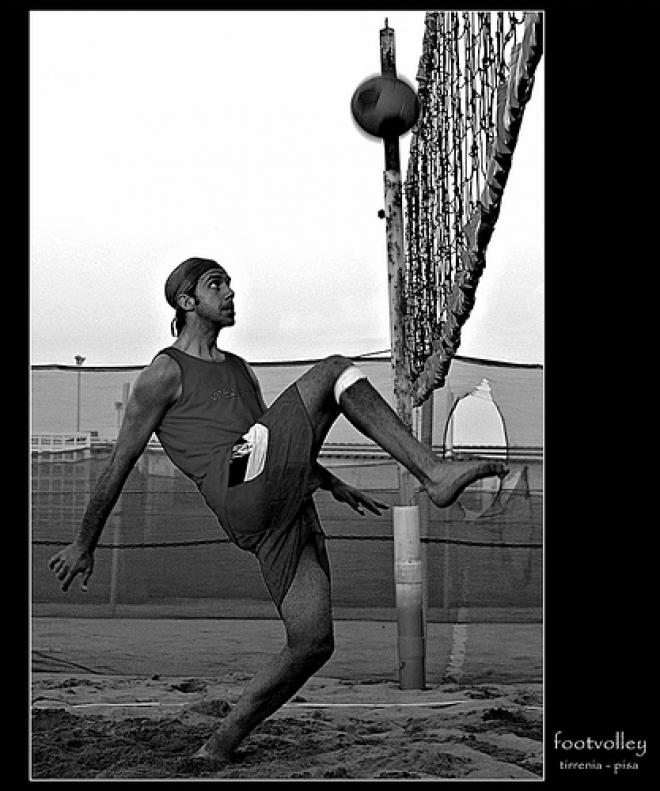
[[160, 380]]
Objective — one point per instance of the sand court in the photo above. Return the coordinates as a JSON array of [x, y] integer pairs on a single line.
[[135, 697]]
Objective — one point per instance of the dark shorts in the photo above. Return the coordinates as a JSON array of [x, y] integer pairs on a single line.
[[274, 515]]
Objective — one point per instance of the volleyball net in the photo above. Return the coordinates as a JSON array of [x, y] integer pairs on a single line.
[[476, 76]]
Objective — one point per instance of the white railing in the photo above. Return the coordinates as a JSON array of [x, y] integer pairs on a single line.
[[61, 443], [515, 453]]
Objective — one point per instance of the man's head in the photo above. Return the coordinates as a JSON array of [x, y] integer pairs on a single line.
[[200, 286]]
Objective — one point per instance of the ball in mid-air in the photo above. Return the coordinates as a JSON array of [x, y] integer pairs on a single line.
[[385, 106]]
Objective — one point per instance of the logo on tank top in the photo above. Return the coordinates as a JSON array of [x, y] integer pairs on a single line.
[[226, 392]]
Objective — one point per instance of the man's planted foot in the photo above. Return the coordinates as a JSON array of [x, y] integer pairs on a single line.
[[209, 758]]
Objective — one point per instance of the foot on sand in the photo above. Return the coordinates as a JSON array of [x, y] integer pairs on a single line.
[[206, 760], [450, 478]]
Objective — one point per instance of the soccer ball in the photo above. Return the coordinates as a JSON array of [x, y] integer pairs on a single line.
[[385, 106]]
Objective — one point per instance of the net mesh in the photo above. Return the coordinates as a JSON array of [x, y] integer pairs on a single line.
[[475, 77]]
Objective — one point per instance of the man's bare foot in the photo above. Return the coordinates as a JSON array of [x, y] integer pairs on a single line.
[[450, 478], [213, 757], [200, 766]]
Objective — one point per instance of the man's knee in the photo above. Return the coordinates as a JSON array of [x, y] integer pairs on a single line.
[[315, 648], [321, 649], [335, 365], [343, 373], [322, 376], [316, 386]]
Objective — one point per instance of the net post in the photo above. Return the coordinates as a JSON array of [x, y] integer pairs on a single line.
[[409, 595], [394, 229], [405, 517]]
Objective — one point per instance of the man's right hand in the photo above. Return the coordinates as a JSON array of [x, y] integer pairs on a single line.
[[71, 561]]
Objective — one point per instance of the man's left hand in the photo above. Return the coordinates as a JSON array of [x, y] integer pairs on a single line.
[[358, 500]]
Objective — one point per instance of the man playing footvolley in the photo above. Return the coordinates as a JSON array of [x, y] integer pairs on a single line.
[[256, 468]]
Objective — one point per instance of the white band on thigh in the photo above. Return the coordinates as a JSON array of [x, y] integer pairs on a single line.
[[347, 378]]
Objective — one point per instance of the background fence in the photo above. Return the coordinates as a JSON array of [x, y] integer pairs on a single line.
[[164, 554]]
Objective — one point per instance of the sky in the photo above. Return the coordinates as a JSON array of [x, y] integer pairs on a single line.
[[160, 135]]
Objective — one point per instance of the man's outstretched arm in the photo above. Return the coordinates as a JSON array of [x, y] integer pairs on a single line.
[[155, 390]]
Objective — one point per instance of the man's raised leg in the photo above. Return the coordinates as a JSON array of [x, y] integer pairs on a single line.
[[307, 615], [366, 409]]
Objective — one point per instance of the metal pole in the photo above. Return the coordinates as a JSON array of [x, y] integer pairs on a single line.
[[116, 521], [79, 361], [125, 395], [425, 507], [448, 452], [409, 595], [405, 517], [118, 406]]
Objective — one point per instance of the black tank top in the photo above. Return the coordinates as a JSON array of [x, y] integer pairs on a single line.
[[218, 404]]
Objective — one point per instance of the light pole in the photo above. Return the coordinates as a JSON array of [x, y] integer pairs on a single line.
[[118, 407], [79, 361]]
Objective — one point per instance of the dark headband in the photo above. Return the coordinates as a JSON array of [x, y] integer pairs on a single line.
[[184, 278]]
